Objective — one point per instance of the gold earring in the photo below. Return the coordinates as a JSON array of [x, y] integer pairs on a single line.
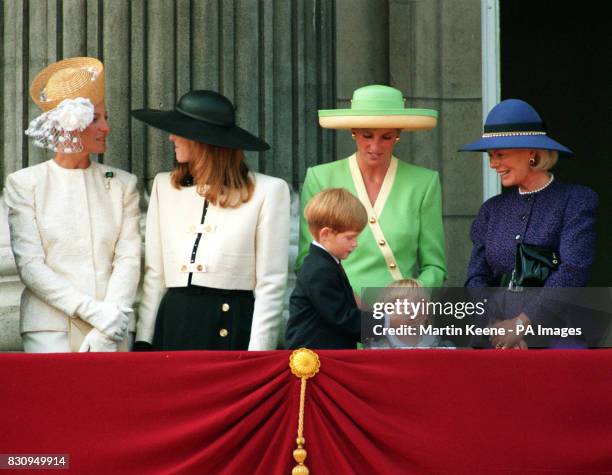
[[531, 161], [353, 135]]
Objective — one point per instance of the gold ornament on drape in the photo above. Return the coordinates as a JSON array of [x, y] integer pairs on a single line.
[[304, 363]]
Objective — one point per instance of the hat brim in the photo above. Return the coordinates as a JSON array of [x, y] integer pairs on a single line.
[[406, 119], [539, 142], [179, 124]]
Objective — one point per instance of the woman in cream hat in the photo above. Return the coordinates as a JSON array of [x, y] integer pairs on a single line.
[[405, 236], [74, 222]]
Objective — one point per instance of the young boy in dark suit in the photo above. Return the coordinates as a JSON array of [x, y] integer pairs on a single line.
[[323, 312]]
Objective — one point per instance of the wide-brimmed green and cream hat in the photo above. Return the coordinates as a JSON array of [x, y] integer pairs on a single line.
[[378, 107]]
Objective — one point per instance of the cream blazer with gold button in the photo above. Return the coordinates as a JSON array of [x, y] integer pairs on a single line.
[[244, 248], [74, 233]]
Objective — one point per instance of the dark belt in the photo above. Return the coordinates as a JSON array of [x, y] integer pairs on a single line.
[[199, 290]]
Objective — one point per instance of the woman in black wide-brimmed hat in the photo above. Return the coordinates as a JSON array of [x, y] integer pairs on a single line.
[[217, 236]]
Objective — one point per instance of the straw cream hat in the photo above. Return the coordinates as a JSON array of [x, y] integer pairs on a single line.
[[378, 107], [68, 79]]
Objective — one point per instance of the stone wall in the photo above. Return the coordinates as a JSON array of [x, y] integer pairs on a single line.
[[10, 289], [273, 59]]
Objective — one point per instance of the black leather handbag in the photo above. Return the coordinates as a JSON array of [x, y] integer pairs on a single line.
[[532, 266]]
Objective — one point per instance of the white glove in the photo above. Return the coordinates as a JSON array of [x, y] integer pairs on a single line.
[[95, 340], [108, 317]]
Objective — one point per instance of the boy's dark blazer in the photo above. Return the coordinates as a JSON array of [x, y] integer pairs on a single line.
[[323, 312]]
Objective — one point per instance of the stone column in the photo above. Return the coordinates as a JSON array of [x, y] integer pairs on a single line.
[[10, 289]]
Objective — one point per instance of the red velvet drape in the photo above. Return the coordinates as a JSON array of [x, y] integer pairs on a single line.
[[367, 412]]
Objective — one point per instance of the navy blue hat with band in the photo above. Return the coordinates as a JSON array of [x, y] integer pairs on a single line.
[[515, 124]]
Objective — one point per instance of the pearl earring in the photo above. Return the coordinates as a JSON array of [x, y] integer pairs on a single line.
[[353, 135], [531, 162]]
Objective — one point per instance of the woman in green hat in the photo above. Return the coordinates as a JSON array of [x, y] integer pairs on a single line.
[[405, 236]]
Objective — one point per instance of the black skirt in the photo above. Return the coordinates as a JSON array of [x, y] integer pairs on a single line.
[[203, 318]]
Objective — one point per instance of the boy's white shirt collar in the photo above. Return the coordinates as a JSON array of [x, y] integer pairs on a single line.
[[318, 244]]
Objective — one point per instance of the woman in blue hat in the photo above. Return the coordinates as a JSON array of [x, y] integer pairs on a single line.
[[217, 236], [405, 235], [539, 212]]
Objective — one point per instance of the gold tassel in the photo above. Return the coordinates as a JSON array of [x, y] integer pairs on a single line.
[[304, 363]]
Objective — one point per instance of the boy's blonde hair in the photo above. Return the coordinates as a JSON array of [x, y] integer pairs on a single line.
[[400, 289], [406, 289], [335, 208]]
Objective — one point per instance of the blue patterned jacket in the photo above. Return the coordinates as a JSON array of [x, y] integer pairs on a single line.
[[560, 217]]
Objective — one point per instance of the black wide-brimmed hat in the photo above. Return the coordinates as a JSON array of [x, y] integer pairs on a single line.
[[203, 116]]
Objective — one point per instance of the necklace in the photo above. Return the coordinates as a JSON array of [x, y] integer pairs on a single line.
[[552, 177]]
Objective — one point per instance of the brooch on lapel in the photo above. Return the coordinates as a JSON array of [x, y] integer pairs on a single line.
[[108, 177]]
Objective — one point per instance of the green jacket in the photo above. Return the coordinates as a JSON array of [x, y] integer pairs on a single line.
[[409, 214]]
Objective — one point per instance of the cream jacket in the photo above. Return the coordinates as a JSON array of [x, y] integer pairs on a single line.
[[242, 248], [74, 233]]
